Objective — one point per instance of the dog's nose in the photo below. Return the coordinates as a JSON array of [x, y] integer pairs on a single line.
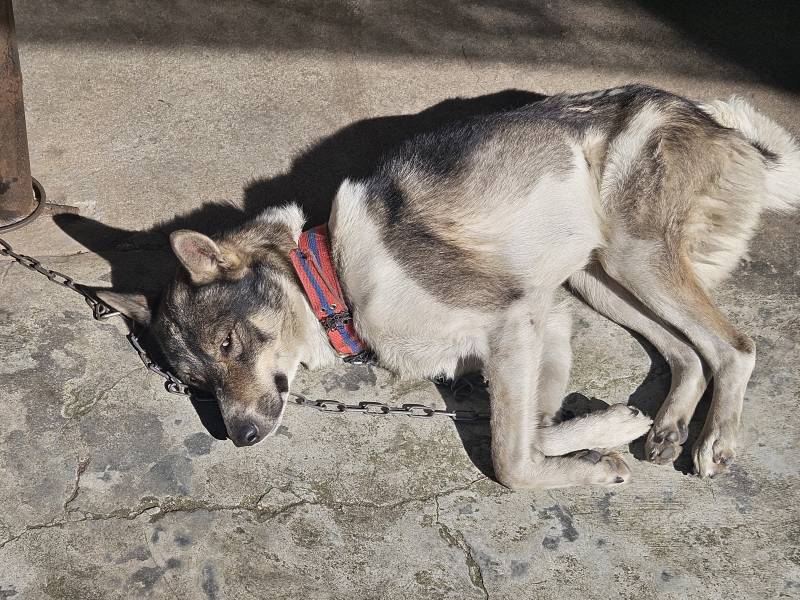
[[251, 434], [247, 435]]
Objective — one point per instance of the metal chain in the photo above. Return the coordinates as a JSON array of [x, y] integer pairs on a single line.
[[379, 408], [171, 383], [102, 311]]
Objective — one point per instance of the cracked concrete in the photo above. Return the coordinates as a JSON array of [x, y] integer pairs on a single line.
[[79, 469], [113, 488], [456, 539]]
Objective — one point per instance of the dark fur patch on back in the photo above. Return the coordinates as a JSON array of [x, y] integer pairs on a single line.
[[415, 191], [450, 273], [444, 152]]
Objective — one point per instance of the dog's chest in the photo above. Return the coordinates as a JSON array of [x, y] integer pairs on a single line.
[[411, 331]]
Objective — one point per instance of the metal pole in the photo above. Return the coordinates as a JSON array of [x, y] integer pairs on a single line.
[[16, 192]]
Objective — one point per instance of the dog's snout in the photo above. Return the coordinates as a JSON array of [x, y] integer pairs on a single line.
[[246, 434]]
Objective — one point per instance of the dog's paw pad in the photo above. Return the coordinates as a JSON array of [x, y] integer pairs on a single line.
[[665, 442]]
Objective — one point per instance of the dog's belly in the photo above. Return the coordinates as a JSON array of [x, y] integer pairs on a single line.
[[421, 358]]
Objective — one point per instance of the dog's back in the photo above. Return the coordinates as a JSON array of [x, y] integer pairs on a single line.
[[466, 206]]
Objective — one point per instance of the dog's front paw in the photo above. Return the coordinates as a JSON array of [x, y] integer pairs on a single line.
[[714, 450], [665, 441]]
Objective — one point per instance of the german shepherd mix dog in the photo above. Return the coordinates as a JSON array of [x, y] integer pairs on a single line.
[[449, 255]]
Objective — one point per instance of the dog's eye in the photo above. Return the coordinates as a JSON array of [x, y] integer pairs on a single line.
[[225, 348]]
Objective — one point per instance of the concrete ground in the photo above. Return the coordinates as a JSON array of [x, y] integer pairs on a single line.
[[143, 113]]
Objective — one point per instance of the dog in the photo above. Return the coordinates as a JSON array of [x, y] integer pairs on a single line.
[[449, 253]]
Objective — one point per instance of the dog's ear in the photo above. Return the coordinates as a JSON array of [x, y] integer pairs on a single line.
[[289, 216], [134, 306], [202, 258]]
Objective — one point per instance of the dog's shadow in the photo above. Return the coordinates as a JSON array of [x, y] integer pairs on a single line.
[[141, 261], [470, 395]]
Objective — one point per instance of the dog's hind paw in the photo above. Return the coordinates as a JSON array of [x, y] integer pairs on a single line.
[[610, 468], [665, 442], [714, 451], [623, 424]]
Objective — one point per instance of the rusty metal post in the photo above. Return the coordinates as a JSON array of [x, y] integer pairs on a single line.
[[16, 192]]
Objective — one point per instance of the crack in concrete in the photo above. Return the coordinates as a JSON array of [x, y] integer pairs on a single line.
[[153, 507], [101, 395], [157, 509], [80, 468], [104, 393], [455, 539], [404, 501], [28, 528]]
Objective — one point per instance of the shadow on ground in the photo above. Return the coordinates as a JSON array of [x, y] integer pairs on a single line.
[[644, 35], [649, 396], [759, 36]]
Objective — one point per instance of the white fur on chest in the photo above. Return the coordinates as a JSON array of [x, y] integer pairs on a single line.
[[411, 331]]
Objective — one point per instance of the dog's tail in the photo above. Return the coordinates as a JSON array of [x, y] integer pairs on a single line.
[[780, 151]]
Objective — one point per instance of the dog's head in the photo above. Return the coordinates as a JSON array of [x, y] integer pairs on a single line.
[[230, 321]]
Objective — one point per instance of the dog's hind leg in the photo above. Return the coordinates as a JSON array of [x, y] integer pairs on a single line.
[[689, 377], [664, 280], [513, 370]]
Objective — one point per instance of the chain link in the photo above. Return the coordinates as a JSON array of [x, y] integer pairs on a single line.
[[102, 311]]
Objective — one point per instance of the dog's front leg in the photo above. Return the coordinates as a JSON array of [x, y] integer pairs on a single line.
[[513, 372]]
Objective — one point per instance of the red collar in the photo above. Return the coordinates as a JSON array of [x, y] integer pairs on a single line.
[[314, 266]]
